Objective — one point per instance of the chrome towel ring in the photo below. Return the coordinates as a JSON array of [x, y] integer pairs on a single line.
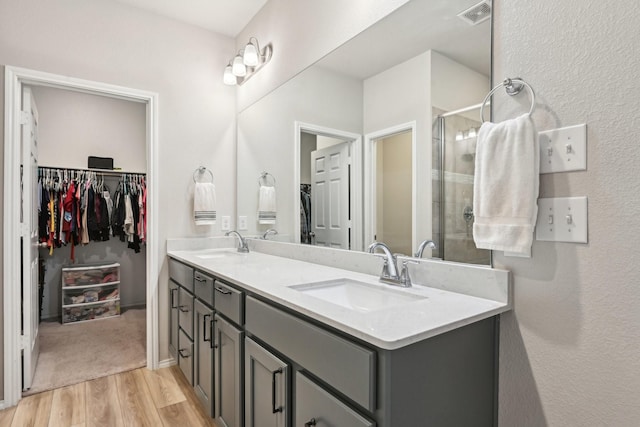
[[512, 87], [201, 170], [264, 178]]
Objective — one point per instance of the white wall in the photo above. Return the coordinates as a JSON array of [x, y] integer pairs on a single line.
[[266, 133], [302, 32], [454, 86], [400, 95], [74, 125], [569, 350], [113, 43]]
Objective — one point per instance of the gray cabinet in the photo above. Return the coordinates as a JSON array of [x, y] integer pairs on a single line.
[[173, 319], [203, 358], [228, 373], [314, 406], [185, 355], [266, 387]]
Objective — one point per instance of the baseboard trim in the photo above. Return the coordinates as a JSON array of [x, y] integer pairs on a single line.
[[166, 363]]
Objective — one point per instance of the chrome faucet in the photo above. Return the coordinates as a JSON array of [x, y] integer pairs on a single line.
[[269, 231], [242, 243], [389, 272], [425, 244]]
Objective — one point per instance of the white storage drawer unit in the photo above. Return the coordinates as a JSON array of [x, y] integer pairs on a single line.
[[90, 292]]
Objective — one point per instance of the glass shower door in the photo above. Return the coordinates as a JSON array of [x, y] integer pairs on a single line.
[[454, 144]]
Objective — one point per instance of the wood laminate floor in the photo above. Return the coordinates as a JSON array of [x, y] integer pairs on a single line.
[[137, 398]]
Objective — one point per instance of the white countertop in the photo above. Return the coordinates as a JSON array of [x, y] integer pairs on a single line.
[[388, 328]]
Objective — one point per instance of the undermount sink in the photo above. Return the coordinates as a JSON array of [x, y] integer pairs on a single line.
[[356, 295], [217, 254]]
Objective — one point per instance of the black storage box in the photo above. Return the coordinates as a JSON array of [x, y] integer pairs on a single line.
[[100, 162]]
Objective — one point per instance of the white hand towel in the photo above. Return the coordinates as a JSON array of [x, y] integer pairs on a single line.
[[506, 185], [267, 205], [204, 203]]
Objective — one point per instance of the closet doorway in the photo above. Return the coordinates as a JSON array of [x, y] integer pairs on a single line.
[[16, 80], [327, 179]]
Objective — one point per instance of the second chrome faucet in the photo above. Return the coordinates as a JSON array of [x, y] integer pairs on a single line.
[[242, 243], [390, 274]]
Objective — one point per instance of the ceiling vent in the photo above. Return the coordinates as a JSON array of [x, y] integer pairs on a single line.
[[477, 13]]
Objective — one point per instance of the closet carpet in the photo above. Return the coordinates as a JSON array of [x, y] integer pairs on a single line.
[[78, 352]]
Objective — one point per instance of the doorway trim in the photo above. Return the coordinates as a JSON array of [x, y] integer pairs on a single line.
[[355, 141], [370, 177], [15, 77]]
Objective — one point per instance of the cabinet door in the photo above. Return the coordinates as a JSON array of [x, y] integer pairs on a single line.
[[173, 319], [314, 406], [266, 387], [185, 355], [203, 359], [228, 373]]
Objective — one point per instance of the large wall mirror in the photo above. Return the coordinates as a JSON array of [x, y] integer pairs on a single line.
[[376, 141]]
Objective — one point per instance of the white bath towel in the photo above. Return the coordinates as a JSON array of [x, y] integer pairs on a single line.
[[267, 205], [506, 185], [204, 203]]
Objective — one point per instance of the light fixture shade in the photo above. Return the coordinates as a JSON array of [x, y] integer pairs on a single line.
[[472, 133], [238, 68], [251, 57], [459, 136], [229, 78]]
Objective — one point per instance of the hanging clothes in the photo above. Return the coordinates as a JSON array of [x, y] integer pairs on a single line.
[[75, 207]]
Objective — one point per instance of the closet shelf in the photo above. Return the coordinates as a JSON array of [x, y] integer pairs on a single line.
[[86, 304], [97, 285]]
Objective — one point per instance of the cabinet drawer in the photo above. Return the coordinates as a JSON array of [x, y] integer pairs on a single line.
[[181, 273], [203, 287], [344, 365], [229, 302], [315, 406], [185, 356], [185, 312]]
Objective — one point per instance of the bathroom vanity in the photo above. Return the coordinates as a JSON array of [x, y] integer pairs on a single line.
[[269, 340]]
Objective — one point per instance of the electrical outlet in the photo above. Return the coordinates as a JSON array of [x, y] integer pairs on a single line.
[[242, 222], [226, 223]]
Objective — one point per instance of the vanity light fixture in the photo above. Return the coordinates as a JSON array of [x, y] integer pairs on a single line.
[[472, 133], [246, 62]]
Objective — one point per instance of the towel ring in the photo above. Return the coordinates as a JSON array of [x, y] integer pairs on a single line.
[[200, 171], [512, 87], [265, 176]]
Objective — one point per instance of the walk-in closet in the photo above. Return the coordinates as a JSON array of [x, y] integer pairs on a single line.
[[91, 236]]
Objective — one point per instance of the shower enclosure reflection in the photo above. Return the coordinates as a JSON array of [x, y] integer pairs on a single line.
[[454, 147]]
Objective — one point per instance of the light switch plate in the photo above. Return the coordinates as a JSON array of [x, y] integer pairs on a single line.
[[242, 222], [562, 219], [563, 149], [226, 223]]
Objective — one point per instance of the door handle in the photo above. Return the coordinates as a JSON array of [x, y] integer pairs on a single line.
[[173, 300], [310, 423], [273, 391], [223, 291], [204, 329]]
